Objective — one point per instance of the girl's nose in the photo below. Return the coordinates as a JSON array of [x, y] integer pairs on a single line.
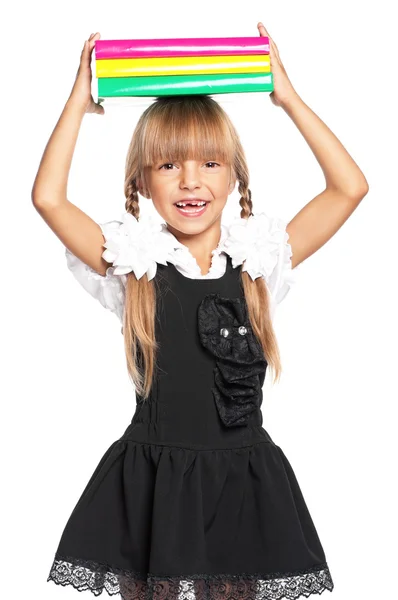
[[190, 176]]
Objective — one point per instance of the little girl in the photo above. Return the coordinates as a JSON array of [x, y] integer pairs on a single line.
[[194, 500]]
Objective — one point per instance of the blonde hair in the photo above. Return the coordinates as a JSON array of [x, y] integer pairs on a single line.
[[184, 128]]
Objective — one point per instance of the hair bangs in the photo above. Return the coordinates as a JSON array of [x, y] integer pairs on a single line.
[[179, 131]]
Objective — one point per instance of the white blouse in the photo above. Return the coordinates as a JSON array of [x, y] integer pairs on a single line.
[[260, 242]]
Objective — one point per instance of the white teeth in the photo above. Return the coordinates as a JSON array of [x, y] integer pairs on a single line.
[[182, 204]]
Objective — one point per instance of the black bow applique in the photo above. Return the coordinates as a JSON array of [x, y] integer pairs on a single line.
[[225, 330]]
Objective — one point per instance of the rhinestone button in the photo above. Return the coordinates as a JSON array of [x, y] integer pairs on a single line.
[[224, 332], [242, 330]]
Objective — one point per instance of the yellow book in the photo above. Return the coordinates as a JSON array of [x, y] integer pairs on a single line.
[[182, 65]]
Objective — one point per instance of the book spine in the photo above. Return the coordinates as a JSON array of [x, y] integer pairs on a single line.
[[130, 67], [181, 47], [185, 84]]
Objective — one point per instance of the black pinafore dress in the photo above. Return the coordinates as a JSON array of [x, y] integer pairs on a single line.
[[195, 501]]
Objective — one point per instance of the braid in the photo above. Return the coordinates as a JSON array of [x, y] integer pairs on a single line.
[[132, 204], [245, 199]]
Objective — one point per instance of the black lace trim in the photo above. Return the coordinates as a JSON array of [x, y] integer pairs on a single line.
[[133, 585]]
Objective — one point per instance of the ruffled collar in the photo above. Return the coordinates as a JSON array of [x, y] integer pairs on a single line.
[[139, 246], [184, 259]]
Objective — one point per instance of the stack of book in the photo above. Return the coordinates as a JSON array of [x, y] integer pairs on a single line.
[[169, 67]]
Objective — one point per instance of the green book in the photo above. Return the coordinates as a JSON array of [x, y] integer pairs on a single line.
[[173, 85]]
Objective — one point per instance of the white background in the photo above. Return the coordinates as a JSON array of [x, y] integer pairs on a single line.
[[66, 395]]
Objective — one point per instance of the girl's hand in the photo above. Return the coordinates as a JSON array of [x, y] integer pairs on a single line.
[[81, 91], [283, 88]]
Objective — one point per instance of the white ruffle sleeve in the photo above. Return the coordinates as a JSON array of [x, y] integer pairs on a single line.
[[262, 242], [108, 289], [130, 245]]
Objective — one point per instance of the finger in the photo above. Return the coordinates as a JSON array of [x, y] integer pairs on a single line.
[[99, 109], [273, 47], [272, 44], [93, 39], [262, 30], [265, 32], [89, 50]]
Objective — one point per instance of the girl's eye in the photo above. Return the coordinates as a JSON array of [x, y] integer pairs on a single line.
[[168, 164]]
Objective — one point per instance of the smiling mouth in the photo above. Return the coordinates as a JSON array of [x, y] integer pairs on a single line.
[[191, 208]]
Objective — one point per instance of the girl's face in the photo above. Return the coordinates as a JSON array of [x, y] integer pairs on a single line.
[[210, 182]]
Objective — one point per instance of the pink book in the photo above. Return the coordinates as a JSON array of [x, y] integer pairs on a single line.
[[181, 47]]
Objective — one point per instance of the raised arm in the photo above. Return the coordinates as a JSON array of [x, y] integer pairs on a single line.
[[76, 230], [346, 185]]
